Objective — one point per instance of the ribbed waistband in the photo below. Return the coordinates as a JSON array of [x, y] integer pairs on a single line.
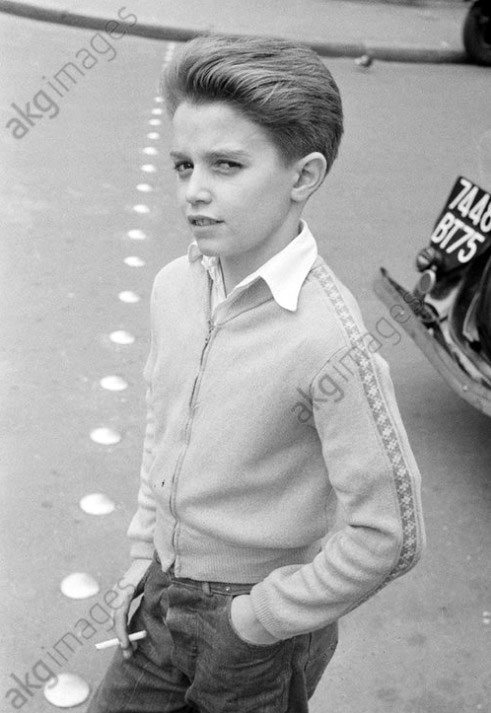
[[227, 588]]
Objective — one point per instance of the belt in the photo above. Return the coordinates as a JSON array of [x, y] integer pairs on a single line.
[[228, 588]]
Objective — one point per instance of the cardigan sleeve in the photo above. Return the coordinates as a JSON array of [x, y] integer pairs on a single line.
[[141, 528], [376, 484]]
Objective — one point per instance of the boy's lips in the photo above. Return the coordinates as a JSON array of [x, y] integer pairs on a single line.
[[202, 221]]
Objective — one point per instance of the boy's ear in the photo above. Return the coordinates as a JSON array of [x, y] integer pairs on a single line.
[[310, 171]]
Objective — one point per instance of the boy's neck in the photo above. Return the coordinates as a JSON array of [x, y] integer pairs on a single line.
[[235, 268]]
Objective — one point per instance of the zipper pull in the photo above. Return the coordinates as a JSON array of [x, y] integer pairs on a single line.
[[207, 338]]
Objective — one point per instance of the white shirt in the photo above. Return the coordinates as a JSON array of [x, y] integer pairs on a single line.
[[284, 273]]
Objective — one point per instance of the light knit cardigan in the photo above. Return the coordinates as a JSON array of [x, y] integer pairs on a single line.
[[259, 423]]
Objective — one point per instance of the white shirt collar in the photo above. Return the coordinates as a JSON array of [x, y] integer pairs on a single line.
[[284, 273]]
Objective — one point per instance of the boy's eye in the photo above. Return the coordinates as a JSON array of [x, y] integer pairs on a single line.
[[182, 167], [228, 166]]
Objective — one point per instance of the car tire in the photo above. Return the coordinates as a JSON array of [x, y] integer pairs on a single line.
[[477, 35]]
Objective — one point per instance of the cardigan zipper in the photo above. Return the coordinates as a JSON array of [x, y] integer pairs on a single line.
[[187, 428], [207, 340]]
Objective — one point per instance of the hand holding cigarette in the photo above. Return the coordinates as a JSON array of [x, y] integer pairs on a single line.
[[128, 584], [116, 642]]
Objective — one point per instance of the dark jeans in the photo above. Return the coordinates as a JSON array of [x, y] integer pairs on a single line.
[[193, 661]]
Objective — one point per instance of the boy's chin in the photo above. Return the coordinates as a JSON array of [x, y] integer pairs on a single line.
[[208, 246]]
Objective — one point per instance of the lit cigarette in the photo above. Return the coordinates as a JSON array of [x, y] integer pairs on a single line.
[[115, 642]]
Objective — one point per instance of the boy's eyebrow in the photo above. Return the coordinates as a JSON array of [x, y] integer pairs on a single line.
[[233, 154], [177, 155]]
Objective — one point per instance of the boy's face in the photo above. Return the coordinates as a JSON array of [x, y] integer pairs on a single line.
[[233, 186]]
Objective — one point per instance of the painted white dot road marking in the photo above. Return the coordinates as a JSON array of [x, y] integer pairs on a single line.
[[153, 135], [169, 53], [136, 234], [144, 188], [121, 337], [150, 151], [155, 122], [149, 168], [159, 100], [105, 436], [129, 297], [66, 690], [97, 504], [157, 111], [140, 208], [79, 585], [113, 383], [134, 261]]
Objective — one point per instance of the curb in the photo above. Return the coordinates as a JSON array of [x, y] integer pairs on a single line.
[[389, 52]]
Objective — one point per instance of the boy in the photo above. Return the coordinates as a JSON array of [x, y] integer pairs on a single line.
[[247, 441]]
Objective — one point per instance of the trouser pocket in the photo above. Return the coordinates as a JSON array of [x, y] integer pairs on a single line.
[[322, 645], [236, 675]]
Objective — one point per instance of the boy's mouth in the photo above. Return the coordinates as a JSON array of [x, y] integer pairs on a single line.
[[201, 221]]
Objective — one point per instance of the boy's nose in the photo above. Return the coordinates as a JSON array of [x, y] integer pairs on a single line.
[[197, 190]]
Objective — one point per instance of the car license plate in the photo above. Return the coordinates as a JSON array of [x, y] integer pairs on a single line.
[[463, 229]]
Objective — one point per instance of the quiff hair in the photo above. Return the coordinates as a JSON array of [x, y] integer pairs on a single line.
[[281, 86]]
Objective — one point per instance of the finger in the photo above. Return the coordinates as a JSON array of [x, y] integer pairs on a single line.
[[127, 653], [120, 627]]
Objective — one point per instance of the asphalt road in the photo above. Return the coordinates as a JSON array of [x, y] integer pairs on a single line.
[[68, 197]]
